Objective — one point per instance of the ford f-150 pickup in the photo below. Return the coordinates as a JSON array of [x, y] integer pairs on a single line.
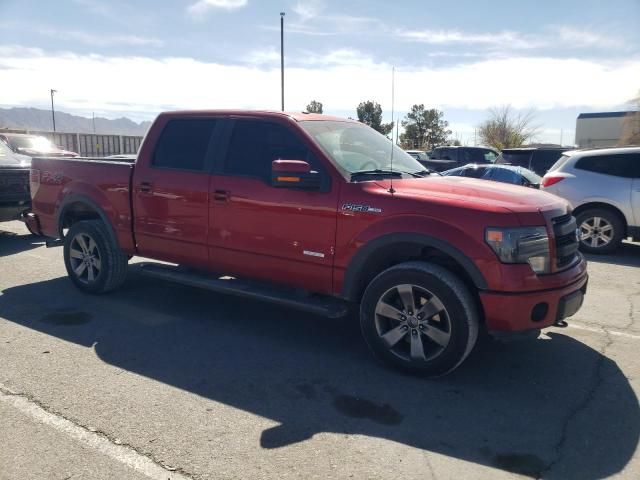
[[318, 213]]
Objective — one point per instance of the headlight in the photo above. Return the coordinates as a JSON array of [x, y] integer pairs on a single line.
[[521, 245]]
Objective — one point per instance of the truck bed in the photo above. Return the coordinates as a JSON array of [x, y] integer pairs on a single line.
[[57, 184]]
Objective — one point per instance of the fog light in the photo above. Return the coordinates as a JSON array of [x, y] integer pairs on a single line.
[[539, 312]]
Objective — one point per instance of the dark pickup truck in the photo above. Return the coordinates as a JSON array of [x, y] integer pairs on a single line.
[[321, 214], [14, 183]]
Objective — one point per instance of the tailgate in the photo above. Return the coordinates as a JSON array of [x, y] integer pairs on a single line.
[[102, 185]]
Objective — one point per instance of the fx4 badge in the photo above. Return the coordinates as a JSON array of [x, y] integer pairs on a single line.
[[352, 207]]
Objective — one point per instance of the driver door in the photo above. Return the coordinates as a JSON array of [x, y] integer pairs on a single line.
[[285, 235]]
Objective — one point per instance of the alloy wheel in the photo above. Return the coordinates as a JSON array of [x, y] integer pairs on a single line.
[[413, 323], [596, 232], [84, 257]]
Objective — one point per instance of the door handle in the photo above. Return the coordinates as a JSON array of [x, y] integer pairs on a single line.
[[220, 195], [145, 187]]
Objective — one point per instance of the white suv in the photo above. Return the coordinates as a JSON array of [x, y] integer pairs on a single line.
[[603, 186]]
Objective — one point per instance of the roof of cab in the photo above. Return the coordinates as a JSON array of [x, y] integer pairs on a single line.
[[296, 116]]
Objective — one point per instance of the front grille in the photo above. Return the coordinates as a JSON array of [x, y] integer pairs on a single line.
[[14, 185], [564, 229]]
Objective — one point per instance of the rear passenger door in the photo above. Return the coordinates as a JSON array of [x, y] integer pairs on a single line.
[[171, 192], [284, 235], [610, 178]]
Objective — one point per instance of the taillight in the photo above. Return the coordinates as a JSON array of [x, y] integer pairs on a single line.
[[548, 181]]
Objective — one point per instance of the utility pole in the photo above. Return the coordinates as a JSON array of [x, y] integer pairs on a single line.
[[53, 112], [282, 58], [93, 120], [561, 132]]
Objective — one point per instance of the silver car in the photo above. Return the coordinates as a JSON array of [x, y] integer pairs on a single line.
[[603, 186]]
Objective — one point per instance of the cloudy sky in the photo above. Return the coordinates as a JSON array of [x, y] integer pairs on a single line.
[[136, 58]]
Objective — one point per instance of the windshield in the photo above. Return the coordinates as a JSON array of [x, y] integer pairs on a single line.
[[355, 147], [32, 143], [7, 157]]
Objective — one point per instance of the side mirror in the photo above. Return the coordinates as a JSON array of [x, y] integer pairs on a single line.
[[294, 174]]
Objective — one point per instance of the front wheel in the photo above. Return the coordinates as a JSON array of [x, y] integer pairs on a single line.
[[94, 262], [419, 317]]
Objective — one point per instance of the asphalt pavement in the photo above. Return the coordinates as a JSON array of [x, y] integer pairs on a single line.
[[168, 382]]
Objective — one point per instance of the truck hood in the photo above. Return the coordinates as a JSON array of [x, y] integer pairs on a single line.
[[471, 192]]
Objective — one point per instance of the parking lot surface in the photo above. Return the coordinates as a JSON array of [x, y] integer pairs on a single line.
[[167, 382]]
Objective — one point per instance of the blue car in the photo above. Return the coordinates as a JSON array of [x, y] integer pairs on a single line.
[[497, 173]]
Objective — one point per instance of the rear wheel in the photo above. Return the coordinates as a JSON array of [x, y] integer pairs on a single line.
[[601, 230], [419, 317], [93, 261]]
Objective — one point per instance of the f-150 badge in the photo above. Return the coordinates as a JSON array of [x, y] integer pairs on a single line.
[[352, 207]]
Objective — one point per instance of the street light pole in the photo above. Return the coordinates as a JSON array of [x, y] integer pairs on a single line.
[[282, 58], [53, 112]]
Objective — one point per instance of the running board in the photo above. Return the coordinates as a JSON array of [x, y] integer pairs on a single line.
[[320, 305]]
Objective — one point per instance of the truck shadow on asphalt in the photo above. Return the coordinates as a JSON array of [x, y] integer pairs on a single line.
[[12, 243], [552, 407]]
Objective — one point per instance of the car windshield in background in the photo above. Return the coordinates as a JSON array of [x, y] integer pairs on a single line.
[[358, 148], [32, 143]]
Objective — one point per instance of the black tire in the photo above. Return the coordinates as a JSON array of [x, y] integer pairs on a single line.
[[601, 230], [105, 265], [432, 287]]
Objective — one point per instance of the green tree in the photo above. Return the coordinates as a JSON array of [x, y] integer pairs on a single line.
[[424, 129], [370, 113], [314, 107], [507, 129]]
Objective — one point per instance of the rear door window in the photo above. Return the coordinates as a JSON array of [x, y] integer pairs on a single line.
[[543, 160], [621, 165], [517, 158], [184, 143]]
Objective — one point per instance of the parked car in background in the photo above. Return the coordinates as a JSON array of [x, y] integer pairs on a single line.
[[446, 158], [34, 145], [14, 183], [538, 160], [603, 186], [419, 155], [497, 173]]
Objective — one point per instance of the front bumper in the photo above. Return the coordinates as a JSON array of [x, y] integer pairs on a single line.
[[516, 312]]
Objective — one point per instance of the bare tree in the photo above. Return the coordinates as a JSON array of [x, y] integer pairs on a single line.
[[506, 128], [314, 107], [631, 125]]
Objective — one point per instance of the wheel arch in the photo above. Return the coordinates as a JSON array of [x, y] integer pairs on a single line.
[[76, 208], [384, 252], [606, 206]]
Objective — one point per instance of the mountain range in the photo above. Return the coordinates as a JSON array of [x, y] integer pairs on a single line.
[[40, 120]]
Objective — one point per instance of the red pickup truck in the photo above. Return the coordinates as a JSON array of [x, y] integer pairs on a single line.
[[318, 213]]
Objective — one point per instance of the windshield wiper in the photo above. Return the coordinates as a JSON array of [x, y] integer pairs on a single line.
[[377, 171]]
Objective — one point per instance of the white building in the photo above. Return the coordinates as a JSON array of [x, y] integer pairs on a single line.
[[600, 129]]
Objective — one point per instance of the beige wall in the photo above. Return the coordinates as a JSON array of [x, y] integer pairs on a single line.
[[598, 132]]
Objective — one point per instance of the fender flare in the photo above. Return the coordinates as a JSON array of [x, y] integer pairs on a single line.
[[79, 198], [366, 252]]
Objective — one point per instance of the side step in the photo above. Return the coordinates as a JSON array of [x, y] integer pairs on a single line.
[[320, 305]]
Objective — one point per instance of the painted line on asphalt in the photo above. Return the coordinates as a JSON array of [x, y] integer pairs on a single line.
[[615, 333], [93, 440]]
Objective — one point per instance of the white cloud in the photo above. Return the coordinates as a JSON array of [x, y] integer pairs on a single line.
[[340, 79], [308, 9], [101, 40], [505, 39], [203, 6], [576, 37]]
